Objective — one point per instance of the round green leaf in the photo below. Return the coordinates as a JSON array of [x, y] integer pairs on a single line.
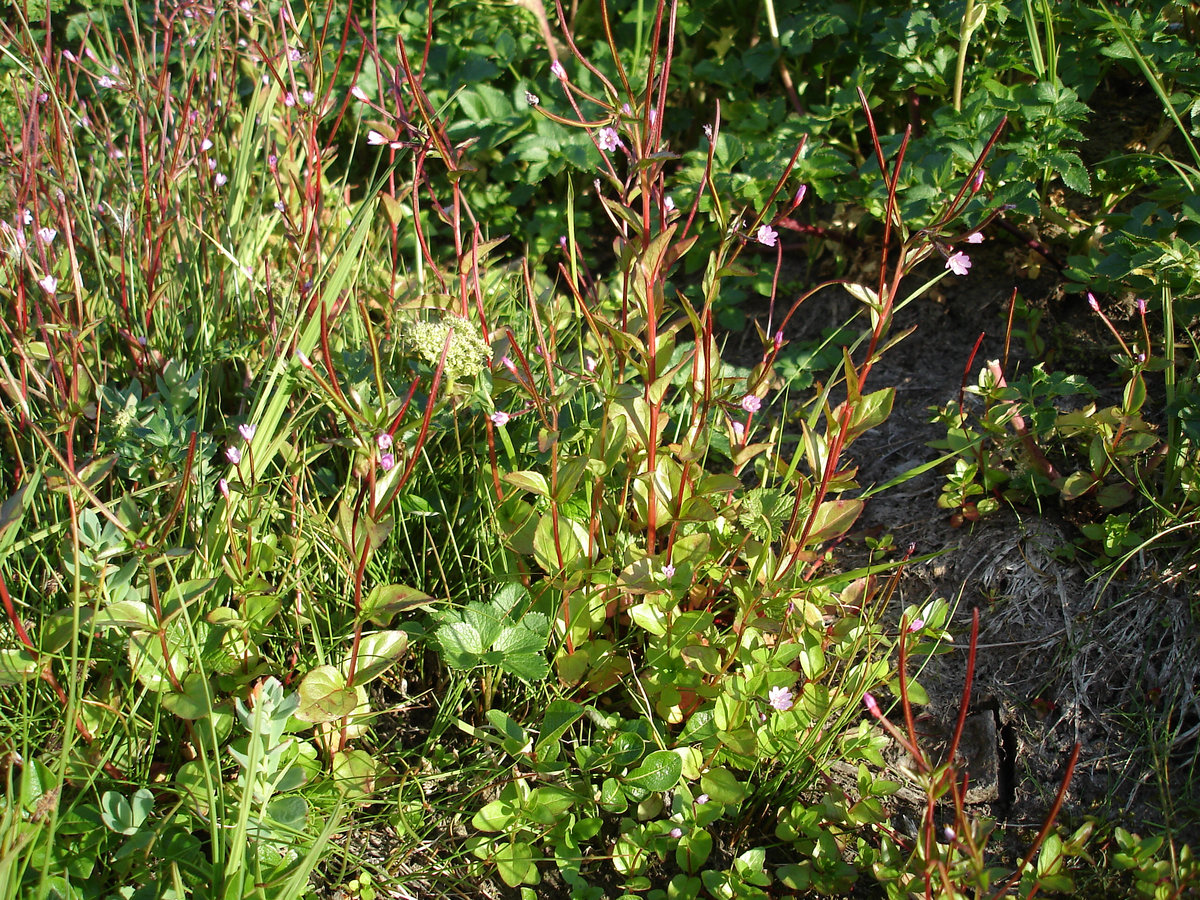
[[324, 696]]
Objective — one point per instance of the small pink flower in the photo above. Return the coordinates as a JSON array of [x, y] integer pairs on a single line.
[[307, 97], [959, 263], [871, 705], [557, 70], [739, 432], [289, 99], [508, 364], [233, 454], [1093, 302], [219, 179], [676, 833], [383, 441], [608, 139], [767, 235], [708, 132], [702, 799], [800, 192], [751, 403], [105, 82], [47, 236], [949, 833], [387, 461], [916, 625], [49, 284], [359, 94], [668, 204], [780, 698], [223, 487], [777, 341], [499, 418], [974, 238], [246, 430], [206, 145], [26, 217], [1141, 306], [589, 364], [668, 571], [303, 359], [212, 165], [375, 139], [978, 182]]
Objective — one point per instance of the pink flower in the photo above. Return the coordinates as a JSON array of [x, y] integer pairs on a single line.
[[739, 432], [974, 238], [49, 284], [306, 97], [589, 363], [557, 70], [359, 94], [105, 82], [387, 461], [871, 705], [206, 145], [223, 487], [1093, 302], [702, 799], [289, 99], [233, 454], [219, 179], [383, 441], [676, 833], [751, 403], [978, 182], [499, 418], [959, 263], [800, 192], [916, 625], [247, 430], [608, 139], [767, 235], [47, 236], [668, 204], [780, 698], [1141, 306], [668, 571]]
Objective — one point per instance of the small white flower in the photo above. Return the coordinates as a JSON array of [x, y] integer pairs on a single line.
[[500, 418], [668, 204], [49, 284], [608, 139], [974, 238], [767, 235], [233, 454], [959, 263], [246, 430], [780, 698], [359, 94], [557, 70], [105, 82], [47, 235], [206, 145], [220, 179]]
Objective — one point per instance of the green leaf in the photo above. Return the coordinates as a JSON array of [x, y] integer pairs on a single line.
[[149, 663], [17, 665], [534, 482], [693, 850], [194, 702], [386, 601], [659, 771], [125, 816], [517, 863], [529, 667], [324, 696], [461, 645], [126, 614], [722, 786], [560, 715], [377, 653]]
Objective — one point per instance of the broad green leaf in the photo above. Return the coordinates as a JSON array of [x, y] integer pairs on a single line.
[[149, 663], [529, 667], [125, 816], [560, 715], [833, 519], [324, 696], [534, 482], [461, 645], [377, 653], [722, 786], [17, 665], [126, 614], [659, 771], [386, 601], [194, 702], [517, 863]]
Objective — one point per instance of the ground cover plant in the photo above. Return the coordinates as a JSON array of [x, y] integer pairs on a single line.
[[433, 441]]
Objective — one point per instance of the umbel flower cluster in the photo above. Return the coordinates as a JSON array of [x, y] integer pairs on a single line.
[[468, 352]]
